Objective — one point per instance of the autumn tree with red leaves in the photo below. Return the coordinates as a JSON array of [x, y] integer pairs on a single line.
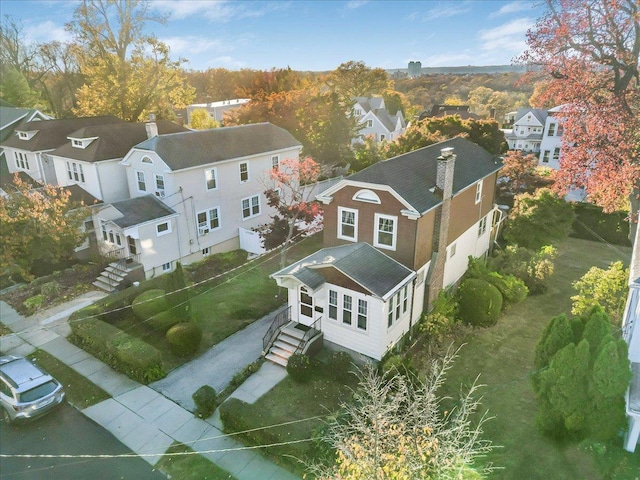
[[588, 51], [290, 193]]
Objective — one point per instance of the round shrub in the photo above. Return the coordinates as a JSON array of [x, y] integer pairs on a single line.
[[150, 303], [184, 338], [163, 321], [50, 289], [299, 367], [206, 400], [339, 365], [479, 302]]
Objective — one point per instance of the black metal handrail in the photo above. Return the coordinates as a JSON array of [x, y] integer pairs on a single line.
[[279, 320], [309, 334]]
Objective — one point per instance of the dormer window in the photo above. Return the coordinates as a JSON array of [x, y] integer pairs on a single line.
[[26, 135], [81, 142], [77, 143]]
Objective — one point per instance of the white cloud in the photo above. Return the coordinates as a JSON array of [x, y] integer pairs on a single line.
[[441, 10], [508, 37], [513, 7], [46, 31], [219, 11], [192, 44], [353, 4]]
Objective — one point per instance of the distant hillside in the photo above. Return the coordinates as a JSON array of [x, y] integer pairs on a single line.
[[469, 69]]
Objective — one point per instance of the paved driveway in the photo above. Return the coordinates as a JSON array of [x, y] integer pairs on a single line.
[[217, 366]]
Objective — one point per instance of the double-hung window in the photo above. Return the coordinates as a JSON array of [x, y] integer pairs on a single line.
[[347, 309], [22, 161], [275, 162], [362, 314], [348, 226], [390, 314], [482, 226], [545, 156], [75, 172], [552, 129], [478, 191], [211, 179], [208, 220], [556, 153], [142, 184], [244, 172], [159, 185], [250, 207], [386, 227], [405, 298], [333, 305], [163, 228]]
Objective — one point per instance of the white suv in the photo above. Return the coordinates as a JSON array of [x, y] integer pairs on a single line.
[[26, 391]]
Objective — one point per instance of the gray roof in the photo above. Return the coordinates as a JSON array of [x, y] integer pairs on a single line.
[[389, 121], [53, 133], [531, 136], [113, 141], [140, 210], [540, 114], [367, 266], [218, 144], [10, 117], [370, 103], [413, 175]]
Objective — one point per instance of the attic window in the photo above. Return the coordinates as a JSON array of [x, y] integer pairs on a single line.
[[146, 159], [23, 135], [366, 196], [78, 143]]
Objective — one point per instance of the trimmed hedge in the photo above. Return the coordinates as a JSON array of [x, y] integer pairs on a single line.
[[163, 321], [592, 224], [123, 352], [479, 302], [150, 303], [206, 400], [184, 338]]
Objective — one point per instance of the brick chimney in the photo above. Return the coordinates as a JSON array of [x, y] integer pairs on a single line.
[[444, 186], [151, 126]]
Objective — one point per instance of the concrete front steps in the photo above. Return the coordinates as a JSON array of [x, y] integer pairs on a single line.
[[111, 277], [288, 341]]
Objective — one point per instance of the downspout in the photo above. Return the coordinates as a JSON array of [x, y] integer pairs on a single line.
[[413, 294]]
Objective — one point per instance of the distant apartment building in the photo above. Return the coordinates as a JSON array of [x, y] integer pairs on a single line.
[[216, 110], [415, 69]]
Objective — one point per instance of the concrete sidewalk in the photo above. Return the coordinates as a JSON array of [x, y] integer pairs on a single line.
[[140, 417]]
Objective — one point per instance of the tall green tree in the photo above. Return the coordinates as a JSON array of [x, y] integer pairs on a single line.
[[354, 79], [127, 73], [581, 386], [538, 219]]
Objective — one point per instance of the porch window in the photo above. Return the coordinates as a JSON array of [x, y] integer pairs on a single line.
[[397, 306], [111, 237], [131, 243], [306, 303], [104, 233], [211, 179], [347, 229], [390, 316], [405, 298], [385, 232], [118, 240], [347, 308], [142, 184], [333, 305], [362, 314], [244, 172], [482, 227]]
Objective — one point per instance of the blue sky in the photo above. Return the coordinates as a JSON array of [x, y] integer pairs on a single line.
[[318, 35]]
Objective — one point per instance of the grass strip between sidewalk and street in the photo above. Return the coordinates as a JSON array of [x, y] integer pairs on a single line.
[[190, 467]]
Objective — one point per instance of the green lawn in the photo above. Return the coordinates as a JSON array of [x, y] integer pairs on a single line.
[[503, 357], [79, 391], [190, 466]]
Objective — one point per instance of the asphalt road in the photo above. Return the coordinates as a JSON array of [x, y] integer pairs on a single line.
[[65, 431]]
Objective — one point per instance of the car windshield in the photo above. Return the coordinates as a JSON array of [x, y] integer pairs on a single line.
[[38, 392]]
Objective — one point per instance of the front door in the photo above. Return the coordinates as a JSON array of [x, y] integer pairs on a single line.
[[306, 307]]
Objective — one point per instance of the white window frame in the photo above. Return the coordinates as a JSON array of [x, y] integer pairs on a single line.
[[205, 226], [377, 231], [333, 304], [22, 161], [141, 181], [552, 130], [452, 249], [250, 207], [369, 123], [147, 159], [342, 236], [166, 267], [556, 153], [206, 251], [478, 192], [362, 314], [75, 173], [245, 172], [211, 174], [390, 311], [275, 162], [163, 232], [405, 298], [347, 303], [160, 190], [482, 226], [545, 156]]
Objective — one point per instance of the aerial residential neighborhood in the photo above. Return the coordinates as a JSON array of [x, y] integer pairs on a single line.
[[421, 264]]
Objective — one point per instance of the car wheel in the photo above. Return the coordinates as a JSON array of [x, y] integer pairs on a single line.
[[5, 416]]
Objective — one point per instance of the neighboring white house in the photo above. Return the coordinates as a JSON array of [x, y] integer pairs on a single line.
[[536, 131], [214, 180], [91, 156], [24, 151], [357, 296], [216, 110], [631, 334], [376, 121]]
